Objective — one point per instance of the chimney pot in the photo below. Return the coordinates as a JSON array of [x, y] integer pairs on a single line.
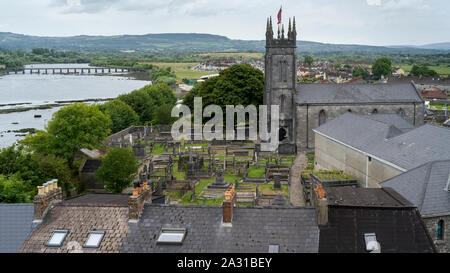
[[41, 190]]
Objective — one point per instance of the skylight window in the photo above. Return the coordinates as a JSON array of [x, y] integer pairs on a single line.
[[172, 236], [274, 248], [95, 239], [371, 242], [57, 238]]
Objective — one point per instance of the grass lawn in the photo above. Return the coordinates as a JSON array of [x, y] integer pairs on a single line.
[[254, 172], [442, 70], [183, 70], [246, 55]]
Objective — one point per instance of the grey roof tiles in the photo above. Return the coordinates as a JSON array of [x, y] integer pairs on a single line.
[[16, 223], [252, 230], [407, 150], [425, 186], [356, 93]]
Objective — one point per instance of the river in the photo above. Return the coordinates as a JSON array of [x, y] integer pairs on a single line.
[[19, 92]]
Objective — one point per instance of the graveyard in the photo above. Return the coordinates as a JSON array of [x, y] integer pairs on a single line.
[[200, 172]]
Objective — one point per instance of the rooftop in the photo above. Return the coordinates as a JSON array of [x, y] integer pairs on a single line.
[[425, 187], [253, 229], [354, 212], [402, 147], [320, 93], [16, 224]]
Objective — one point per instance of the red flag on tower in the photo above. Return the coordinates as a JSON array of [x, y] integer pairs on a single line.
[[279, 16]]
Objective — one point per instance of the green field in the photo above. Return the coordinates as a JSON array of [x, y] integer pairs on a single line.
[[441, 70], [245, 55], [183, 70]]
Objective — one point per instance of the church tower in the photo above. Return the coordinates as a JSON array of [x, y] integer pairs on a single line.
[[281, 77]]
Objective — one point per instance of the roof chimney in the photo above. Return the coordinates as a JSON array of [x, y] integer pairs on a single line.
[[48, 194], [136, 201], [320, 202], [227, 205]]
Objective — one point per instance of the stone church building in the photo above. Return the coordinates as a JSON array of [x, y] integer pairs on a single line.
[[304, 107]]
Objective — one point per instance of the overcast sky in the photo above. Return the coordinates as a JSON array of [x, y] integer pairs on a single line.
[[372, 22]]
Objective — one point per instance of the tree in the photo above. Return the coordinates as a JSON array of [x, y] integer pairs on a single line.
[[382, 67], [163, 115], [359, 71], [14, 190], [118, 169], [121, 114], [141, 103], [423, 71], [240, 84], [72, 128], [337, 65], [161, 94], [309, 60]]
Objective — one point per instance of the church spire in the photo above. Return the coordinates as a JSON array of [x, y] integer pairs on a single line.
[[289, 30], [294, 31]]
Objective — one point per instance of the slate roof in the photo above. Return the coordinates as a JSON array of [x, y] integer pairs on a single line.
[[396, 222], [424, 186], [367, 197], [398, 230], [356, 93], [98, 199], [407, 150], [80, 221], [253, 229], [16, 224]]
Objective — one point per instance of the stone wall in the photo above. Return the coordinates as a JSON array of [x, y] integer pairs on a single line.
[[442, 246], [308, 116], [330, 155]]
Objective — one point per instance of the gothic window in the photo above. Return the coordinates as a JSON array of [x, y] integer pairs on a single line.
[[282, 134], [283, 70], [401, 112], [375, 111], [322, 117], [440, 230], [282, 103]]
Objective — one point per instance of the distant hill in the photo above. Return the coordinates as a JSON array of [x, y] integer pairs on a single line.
[[189, 42]]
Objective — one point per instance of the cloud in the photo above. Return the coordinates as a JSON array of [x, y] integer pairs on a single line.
[[373, 2]]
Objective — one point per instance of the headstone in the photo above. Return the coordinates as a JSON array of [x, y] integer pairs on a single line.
[[287, 149], [220, 182], [279, 200], [277, 181], [139, 150]]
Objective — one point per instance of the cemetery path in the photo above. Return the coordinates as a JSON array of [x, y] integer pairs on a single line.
[[296, 196]]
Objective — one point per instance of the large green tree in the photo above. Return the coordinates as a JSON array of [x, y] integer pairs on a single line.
[[71, 128], [359, 71], [121, 114], [141, 103], [423, 71], [14, 190], [240, 84], [382, 67], [118, 169], [33, 169], [309, 60]]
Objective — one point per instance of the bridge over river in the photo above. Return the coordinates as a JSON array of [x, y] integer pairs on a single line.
[[74, 70]]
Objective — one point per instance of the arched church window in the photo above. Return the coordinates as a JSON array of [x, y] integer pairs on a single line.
[[375, 111], [322, 117], [440, 230], [401, 112], [282, 134], [282, 103]]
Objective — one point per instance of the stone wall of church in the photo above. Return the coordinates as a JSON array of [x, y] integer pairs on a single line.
[[308, 116], [331, 155], [442, 246]]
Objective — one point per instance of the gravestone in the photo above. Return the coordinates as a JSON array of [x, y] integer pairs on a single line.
[[139, 150], [287, 149], [220, 182], [277, 181], [279, 200]]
